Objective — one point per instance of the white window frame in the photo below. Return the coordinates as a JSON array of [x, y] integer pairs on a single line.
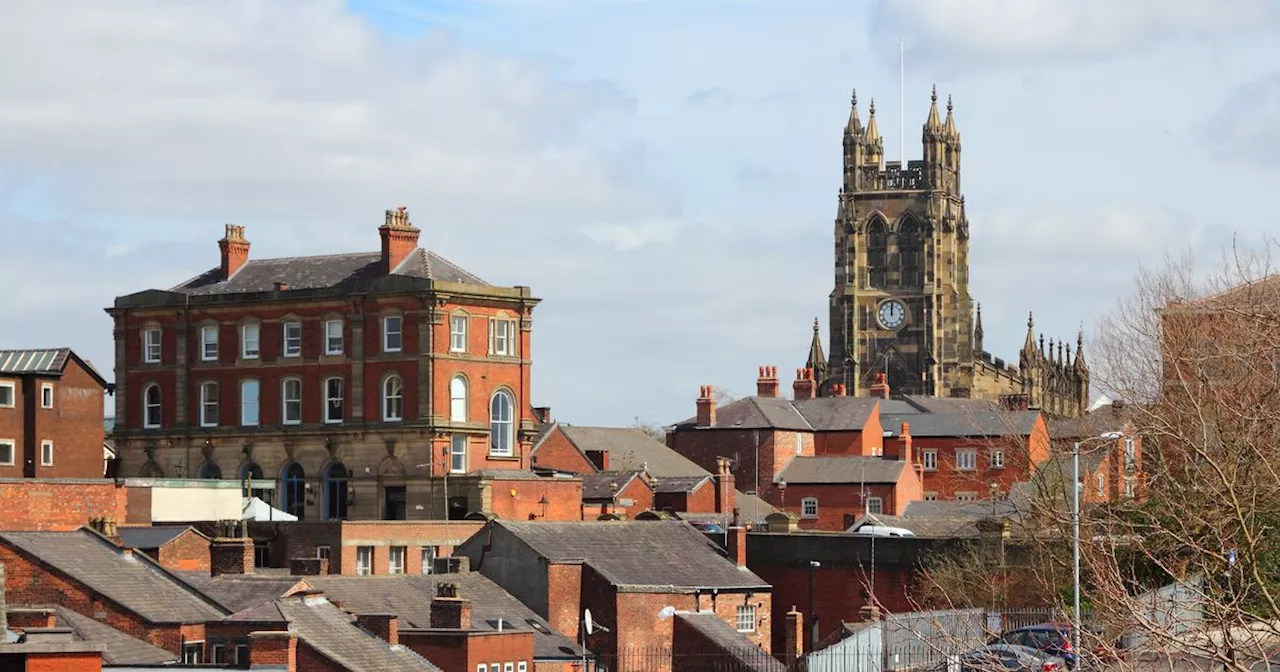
[[458, 333], [875, 506], [997, 459], [799, 443], [482, 668], [247, 352], [502, 337], [1100, 484], [334, 344], [364, 565], [329, 399], [929, 459], [1130, 454], [209, 343], [245, 404], [809, 507], [152, 352], [215, 654], [149, 421], [206, 403], [1130, 488], [285, 350], [502, 440], [508, 667], [458, 403], [429, 559], [966, 496], [46, 395], [967, 460], [242, 654], [458, 450], [522, 666], [286, 402], [13, 394], [387, 333], [388, 398], [13, 452], [394, 567], [46, 453], [745, 618], [192, 652]]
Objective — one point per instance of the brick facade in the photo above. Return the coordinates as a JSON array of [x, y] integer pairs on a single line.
[[189, 551], [342, 539], [71, 423], [466, 651], [59, 506]]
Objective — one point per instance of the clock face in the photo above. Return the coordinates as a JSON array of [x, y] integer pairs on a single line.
[[892, 314]]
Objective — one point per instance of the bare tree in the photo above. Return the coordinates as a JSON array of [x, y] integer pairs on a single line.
[[653, 429]]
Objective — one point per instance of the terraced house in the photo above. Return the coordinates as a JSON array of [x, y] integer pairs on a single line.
[[346, 383]]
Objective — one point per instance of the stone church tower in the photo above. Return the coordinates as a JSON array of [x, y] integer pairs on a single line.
[[901, 304]]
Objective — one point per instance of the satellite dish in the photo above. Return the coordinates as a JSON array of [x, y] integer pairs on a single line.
[[586, 621], [666, 612]]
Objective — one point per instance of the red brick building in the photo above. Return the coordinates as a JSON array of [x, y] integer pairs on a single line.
[[355, 548], [830, 493], [345, 380], [632, 576], [51, 417], [61, 505], [175, 547], [1110, 454], [616, 493]]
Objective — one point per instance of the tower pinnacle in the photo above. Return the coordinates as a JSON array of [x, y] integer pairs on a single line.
[[854, 126], [934, 123], [950, 125]]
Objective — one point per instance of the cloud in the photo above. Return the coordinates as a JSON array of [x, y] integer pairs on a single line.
[[1247, 126], [995, 31]]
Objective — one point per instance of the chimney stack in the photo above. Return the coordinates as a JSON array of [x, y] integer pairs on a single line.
[[276, 650], [837, 390], [736, 545], [904, 443], [767, 383], [230, 556], [448, 611], [881, 387], [794, 637], [803, 388], [233, 249], [399, 238], [706, 407], [382, 626], [724, 486]]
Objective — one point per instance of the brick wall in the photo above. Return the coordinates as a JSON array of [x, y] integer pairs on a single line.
[[557, 452], [12, 424], [839, 593], [189, 551], [703, 446], [564, 595], [89, 661], [37, 505], [74, 424], [231, 556], [520, 499], [946, 481], [465, 651], [301, 540]]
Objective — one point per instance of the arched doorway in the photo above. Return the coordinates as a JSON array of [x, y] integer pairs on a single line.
[[335, 491], [293, 496]]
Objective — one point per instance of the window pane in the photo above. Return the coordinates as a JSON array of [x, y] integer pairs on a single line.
[[151, 345], [391, 336], [292, 339], [458, 454], [334, 408], [500, 425], [458, 399], [46, 453], [249, 341], [393, 399], [209, 404], [292, 402], [458, 333], [333, 337], [249, 402]]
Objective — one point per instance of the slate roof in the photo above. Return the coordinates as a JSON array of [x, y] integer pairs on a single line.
[[842, 469], [651, 553], [345, 271], [751, 509], [237, 592], [330, 632], [151, 537], [117, 647], [43, 362], [756, 413], [990, 423], [681, 483], [945, 519], [606, 485], [409, 598], [736, 647], [630, 449], [136, 583], [837, 414]]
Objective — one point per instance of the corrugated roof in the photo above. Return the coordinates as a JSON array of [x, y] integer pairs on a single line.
[[631, 449], [326, 271], [657, 553], [842, 469], [133, 582], [43, 362], [409, 598]]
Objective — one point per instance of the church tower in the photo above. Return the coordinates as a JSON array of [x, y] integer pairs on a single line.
[[901, 303]]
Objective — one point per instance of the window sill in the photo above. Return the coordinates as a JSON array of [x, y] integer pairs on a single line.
[[996, 466], [505, 458]]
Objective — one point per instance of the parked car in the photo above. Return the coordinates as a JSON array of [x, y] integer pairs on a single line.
[[1007, 658], [1053, 639], [708, 528]]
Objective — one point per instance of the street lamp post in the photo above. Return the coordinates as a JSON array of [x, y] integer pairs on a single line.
[[813, 617], [1075, 535]]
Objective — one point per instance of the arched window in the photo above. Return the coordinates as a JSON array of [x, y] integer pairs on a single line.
[[393, 399], [335, 492], [458, 399], [910, 254], [293, 498], [151, 406], [208, 404], [152, 470], [501, 413], [877, 245], [210, 470]]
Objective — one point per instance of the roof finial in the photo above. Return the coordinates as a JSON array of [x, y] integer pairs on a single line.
[[948, 102], [853, 101], [815, 325], [873, 107], [1030, 321], [934, 96]]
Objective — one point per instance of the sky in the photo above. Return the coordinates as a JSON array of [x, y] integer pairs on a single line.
[[662, 173]]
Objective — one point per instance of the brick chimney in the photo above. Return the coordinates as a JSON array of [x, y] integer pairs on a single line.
[[309, 566], [724, 486], [794, 637], [233, 249], [274, 650], [803, 388], [767, 383], [706, 407], [881, 387], [399, 238], [383, 626], [904, 445], [448, 611], [230, 556], [736, 545], [837, 390]]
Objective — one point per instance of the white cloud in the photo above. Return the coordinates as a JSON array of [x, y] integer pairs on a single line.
[[1248, 124], [999, 30]]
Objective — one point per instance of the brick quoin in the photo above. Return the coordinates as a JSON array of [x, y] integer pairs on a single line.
[[59, 506]]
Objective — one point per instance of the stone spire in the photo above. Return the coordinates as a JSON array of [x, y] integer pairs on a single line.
[[1080, 363], [873, 130], [871, 138], [817, 360], [854, 127], [950, 126], [1029, 345], [934, 124], [977, 333]]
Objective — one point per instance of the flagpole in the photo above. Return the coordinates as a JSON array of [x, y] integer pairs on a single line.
[[902, 103]]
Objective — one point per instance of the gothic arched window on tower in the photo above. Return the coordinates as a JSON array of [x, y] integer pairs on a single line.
[[877, 252], [910, 254]]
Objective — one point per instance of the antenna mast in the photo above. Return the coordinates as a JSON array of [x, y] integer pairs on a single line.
[[902, 103]]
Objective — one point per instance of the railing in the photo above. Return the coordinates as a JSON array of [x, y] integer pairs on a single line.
[[894, 177]]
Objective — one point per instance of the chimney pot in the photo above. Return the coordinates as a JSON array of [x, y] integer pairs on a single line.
[[399, 238], [767, 383], [881, 387], [706, 407]]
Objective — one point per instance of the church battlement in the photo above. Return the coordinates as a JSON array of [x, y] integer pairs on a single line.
[[866, 170]]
